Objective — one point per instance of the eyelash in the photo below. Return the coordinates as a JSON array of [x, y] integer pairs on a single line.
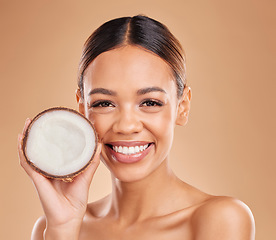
[[101, 103], [154, 102], [104, 104]]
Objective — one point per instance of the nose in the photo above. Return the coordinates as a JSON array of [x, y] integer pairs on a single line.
[[127, 122]]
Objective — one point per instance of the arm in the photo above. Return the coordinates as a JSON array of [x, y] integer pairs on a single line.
[[224, 219], [64, 204], [38, 229]]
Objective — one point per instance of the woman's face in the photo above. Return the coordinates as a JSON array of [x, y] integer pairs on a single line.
[[130, 97]]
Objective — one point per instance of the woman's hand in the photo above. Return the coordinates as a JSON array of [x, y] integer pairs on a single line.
[[64, 203]]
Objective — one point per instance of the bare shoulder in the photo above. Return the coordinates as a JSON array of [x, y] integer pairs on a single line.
[[223, 218], [39, 227]]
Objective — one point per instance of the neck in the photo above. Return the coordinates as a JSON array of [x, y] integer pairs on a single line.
[[135, 201]]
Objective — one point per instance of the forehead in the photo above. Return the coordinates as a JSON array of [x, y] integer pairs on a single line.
[[127, 66]]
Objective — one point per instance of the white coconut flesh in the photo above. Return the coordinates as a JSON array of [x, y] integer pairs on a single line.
[[60, 142]]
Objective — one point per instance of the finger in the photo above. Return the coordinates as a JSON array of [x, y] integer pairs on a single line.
[[27, 123], [21, 156], [20, 141]]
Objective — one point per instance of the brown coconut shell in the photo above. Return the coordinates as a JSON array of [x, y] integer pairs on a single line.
[[69, 177]]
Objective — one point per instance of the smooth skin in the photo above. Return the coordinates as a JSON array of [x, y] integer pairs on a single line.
[[130, 96]]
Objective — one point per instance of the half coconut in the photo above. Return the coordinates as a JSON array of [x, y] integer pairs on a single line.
[[60, 143]]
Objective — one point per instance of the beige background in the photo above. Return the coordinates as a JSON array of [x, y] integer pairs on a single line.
[[228, 146]]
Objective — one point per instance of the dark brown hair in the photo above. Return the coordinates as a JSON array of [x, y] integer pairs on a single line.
[[140, 31]]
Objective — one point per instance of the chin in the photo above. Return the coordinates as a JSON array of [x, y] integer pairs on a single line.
[[128, 173], [131, 173]]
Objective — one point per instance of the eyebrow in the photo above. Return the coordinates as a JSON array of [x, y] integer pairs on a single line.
[[150, 89], [102, 91], [141, 91]]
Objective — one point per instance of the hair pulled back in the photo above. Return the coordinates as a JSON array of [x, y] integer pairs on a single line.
[[138, 31]]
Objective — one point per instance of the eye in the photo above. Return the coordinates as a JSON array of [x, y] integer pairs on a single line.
[[102, 104], [151, 103]]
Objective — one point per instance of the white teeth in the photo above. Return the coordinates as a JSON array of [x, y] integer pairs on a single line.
[[120, 149], [125, 150], [130, 150]]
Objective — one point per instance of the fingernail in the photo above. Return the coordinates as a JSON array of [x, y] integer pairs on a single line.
[[19, 137], [27, 120]]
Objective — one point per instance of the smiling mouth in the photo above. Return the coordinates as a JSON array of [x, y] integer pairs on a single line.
[[129, 150]]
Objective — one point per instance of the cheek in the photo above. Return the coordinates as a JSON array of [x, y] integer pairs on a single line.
[[162, 127], [102, 123], [165, 131]]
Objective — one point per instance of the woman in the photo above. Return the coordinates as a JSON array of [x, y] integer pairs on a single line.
[[132, 87]]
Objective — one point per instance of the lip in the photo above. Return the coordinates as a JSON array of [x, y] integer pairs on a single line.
[[132, 158], [128, 143]]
